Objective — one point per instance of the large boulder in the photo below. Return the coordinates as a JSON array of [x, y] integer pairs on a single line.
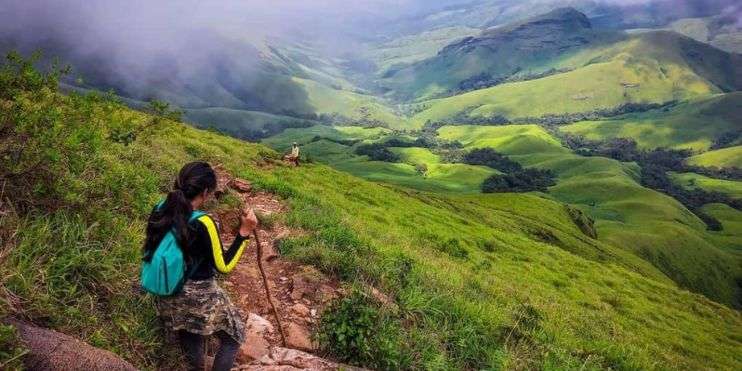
[[51, 350]]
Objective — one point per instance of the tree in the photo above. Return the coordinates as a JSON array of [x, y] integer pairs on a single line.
[[524, 180]]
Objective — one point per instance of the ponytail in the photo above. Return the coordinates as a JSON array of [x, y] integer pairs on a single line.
[[175, 212]]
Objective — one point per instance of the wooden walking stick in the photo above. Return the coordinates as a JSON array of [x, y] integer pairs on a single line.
[[259, 252]]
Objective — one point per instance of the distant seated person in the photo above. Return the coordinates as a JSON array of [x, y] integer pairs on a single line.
[[293, 157]]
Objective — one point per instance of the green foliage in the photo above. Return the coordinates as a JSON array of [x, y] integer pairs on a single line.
[[11, 350], [377, 152], [159, 110], [524, 180], [357, 330], [49, 143], [19, 75], [674, 127], [72, 268], [489, 157]]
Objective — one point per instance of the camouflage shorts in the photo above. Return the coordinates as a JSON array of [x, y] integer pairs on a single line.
[[203, 308]]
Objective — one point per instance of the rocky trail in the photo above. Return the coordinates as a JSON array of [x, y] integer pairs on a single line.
[[299, 292]]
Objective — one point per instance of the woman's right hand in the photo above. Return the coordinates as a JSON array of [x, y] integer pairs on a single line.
[[248, 222]]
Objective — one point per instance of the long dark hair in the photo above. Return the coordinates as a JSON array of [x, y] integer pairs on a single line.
[[194, 178]]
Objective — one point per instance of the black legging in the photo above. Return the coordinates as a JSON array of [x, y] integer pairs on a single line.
[[193, 346]]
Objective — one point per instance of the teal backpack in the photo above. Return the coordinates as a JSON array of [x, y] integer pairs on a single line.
[[165, 273]]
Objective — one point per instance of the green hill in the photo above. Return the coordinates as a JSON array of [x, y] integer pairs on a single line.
[[627, 215], [647, 68], [495, 55], [694, 124], [349, 107], [563, 40], [400, 52], [725, 157], [335, 146], [477, 281], [691, 181]]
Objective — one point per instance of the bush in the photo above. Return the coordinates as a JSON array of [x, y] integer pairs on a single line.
[[525, 180], [45, 146], [490, 158], [356, 330], [70, 250], [377, 152]]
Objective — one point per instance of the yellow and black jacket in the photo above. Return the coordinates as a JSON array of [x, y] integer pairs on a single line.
[[206, 247]]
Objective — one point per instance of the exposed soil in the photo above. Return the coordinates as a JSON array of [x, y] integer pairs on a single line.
[[299, 292]]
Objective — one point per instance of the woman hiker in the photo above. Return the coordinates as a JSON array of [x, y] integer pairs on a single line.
[[201, 308]]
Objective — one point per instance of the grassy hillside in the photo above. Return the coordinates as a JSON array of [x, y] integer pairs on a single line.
[[478, 281], [691, 181], [350, 106], [627, 215], [689, 125], [242, 124], [731, 219], [725, 157], [329, 149], [495, 55], [648, 68]]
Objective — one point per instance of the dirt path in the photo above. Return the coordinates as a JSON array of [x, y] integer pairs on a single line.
[[300, 292]]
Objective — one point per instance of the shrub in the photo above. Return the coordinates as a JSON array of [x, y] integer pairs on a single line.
[[356, 330], [45, 146], [525, 180], [377, 152], [490, 158]]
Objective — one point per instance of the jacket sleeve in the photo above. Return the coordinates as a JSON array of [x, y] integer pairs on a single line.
[[224, 262]]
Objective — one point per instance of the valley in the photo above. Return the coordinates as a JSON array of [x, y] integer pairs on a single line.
[[488, 184]]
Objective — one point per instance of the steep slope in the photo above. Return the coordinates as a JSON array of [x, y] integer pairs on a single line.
[[260, 76], [496, 54], [649, 68], [695, 124], [725, 157], [627, 215], [474, 281]]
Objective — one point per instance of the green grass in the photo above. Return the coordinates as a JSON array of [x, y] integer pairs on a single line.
[[690, 125], [510, 139], [303, 136], [451, 177], [627, 215], [691, 181], [440, 177], [731, 219], [647, 68], [480, 281], [725, 157], [529, 46], [327, 100]]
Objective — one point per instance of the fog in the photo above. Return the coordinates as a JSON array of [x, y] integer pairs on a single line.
[[185, 44]]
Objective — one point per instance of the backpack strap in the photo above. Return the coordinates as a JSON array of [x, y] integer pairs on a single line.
[[194, 267]]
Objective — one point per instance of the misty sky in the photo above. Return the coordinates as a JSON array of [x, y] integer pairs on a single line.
[[140, 40]]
